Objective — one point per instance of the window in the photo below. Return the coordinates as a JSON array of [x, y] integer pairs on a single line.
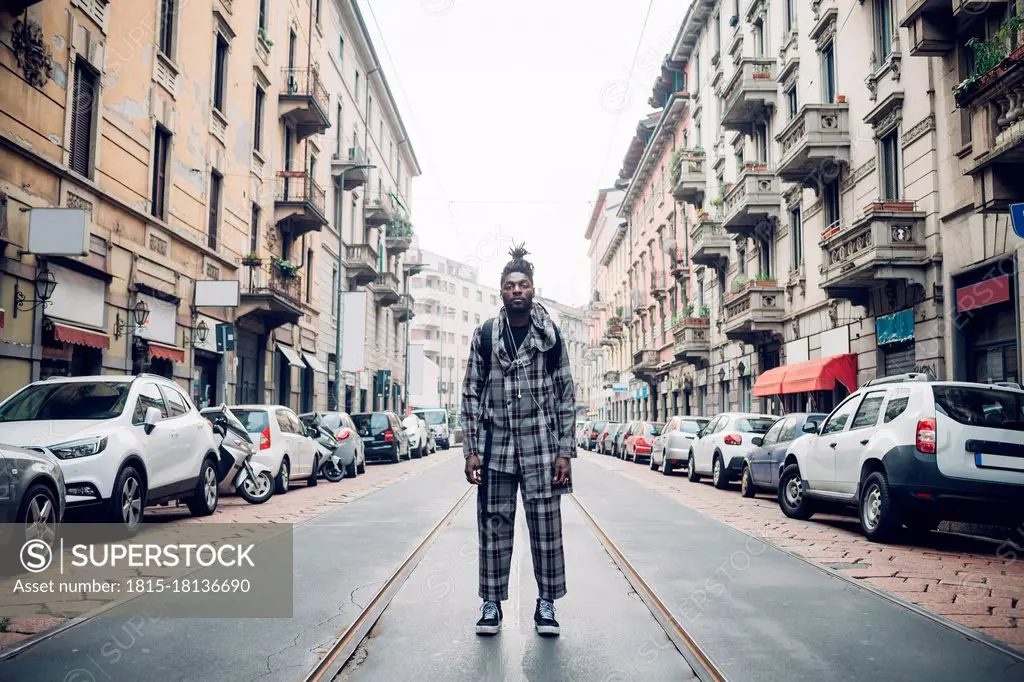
[[741, 260], [309, 280], [833, 215], [883, 29], [263, 14], [766, 258], [788, 432], [161, 153], [215, 190], [761, 142], [796, 231], [837, 422], [254, 229], [465, 292], [760, 39], [317, 10], [465, 316], [867, 414], [257, 125], [341, 49], [149, 396], [334, 291], [828, 69], [774, 434], [790, 15], [792, 104], [890, 166], [175, 403], [718, 32], [87, 400], [220, 73], [984, 407], [168, 10], [83, 109], [895, 408], [356, 88], [337, 144]]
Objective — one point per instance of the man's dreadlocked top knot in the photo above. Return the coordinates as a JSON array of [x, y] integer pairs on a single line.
[[518, 262]]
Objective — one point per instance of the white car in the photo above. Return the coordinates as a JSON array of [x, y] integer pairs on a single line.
[[124, 442], [419, 435], [672, 446], [722, 445], [905, 450], [281, 442], [437, 420]]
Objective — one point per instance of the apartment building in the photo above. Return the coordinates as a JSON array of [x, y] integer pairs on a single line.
[[192, 140], [575, 330], [368, 179], [783, 209]]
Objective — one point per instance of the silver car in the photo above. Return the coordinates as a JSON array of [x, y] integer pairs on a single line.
[[350, 449], [672, 446], [32, 495]]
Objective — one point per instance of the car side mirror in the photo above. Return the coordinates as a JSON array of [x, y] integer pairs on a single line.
[[151, 420], [811, 427], [757, 440]]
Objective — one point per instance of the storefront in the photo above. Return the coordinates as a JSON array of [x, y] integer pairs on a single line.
[[73, 335], [313, 367], [207, 366], [816, 385], [154, 350], [249, 353], [286, 358], [894, 335], [987, 329]]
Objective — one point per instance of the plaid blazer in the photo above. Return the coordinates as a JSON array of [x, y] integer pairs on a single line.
[[530, 414]]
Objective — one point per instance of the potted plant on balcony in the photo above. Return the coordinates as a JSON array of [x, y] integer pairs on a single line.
[[764, 280], [286, 268], [252, 260], [705, 313]]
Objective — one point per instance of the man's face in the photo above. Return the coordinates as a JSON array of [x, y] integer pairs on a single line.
[[517, 293]]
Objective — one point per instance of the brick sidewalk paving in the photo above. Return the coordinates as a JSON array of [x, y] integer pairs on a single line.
[[299, 504], [978, 583]]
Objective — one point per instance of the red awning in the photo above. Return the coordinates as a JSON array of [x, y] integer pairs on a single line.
[[159, 350], [812, 375], [80, 337]]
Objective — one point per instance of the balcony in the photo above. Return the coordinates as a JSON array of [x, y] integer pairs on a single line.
[[378, 209], [270, 294], [692, 336], [884, 245], [299, 203], [611, 376], [812, 143], [16, 7], [360, 263], [933, 25], [398, 236], [750, 93], [688, 176], [346, 165], [659, 288], [754, 314], [384, 288], [403, 309], [304, 102], [753, 202], [709, 244], [645, 362]]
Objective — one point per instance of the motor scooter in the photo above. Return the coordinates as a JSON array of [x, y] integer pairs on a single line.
[[236, 472], [330, 464]]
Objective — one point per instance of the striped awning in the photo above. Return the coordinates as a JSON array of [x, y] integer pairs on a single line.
[[77, 336]]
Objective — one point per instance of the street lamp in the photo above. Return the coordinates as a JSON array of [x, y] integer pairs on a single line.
[[44, 285], [341, 278], [141, 314]]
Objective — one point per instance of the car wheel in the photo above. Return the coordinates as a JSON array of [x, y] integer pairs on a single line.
[[204, 502], [128, 501], [314, 474], [397, 457], [794, 502], [666, 465], [351, 470], [879, 516], [653, 468], [283, 477], [747, 488], [38, 515], [691, 469], [719, 476], [361, 469]]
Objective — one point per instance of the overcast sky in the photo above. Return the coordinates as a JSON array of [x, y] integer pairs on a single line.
[[518, 114]]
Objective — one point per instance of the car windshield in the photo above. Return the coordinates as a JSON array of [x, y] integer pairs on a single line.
[[253, 420], [67, 401], [371, 424], [693, 425], [432, 417], [990, 408], [754, 424]]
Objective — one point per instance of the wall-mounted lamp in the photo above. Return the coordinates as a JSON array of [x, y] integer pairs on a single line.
[[44, 285], [141, 315], [199, 334]]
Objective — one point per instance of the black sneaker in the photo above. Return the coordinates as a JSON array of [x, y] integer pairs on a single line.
[[544, 619], [490, 622]]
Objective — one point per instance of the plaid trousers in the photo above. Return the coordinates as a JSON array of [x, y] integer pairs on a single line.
[[496, 522]]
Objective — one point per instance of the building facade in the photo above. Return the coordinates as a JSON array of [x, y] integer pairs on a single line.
[[182, 160], [788, 203]]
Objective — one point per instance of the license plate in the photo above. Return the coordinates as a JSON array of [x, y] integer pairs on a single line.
[[986, 461]]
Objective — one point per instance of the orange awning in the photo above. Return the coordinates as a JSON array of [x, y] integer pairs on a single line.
[[67, 333], [159, 350], [820, 374]]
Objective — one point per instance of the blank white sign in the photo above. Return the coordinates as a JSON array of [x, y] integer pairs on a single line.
[[58, 232], [213, 293]]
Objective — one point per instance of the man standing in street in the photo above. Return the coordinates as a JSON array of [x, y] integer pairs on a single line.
[[518, 415]]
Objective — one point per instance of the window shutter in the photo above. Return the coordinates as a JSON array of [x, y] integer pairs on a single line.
[[82, 103]]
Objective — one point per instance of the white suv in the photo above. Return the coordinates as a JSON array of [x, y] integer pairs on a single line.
[[721, 447], [124, 443], [908, 451]]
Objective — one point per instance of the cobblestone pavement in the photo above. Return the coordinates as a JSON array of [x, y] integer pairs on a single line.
[[37, 613], [976, 582]]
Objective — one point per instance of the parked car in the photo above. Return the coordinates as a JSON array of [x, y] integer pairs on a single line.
[[605, 438], [641, 440], [672, 446], [580, 425], [437, 418], [32, 497], [283, 443], [350, 446], [383, 436], [416, 430], [621, 437], [908, 451], [763, 465], [124, 443], [596, 428], [581, 434], [608, 446], [721, 447]]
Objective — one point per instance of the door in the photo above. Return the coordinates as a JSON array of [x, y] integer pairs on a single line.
[[304, 445], [187, 438], [777, 454], [819, 469], [661, 442], [761, 457], [249, 353], [704, 447], [854, 441], [158, 448], [289, 443]]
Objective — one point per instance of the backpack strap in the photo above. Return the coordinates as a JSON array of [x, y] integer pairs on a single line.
[[485, 347], [553, 358]]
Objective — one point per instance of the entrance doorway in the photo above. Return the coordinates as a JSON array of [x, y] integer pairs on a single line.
[[207, 366], [249, 351]]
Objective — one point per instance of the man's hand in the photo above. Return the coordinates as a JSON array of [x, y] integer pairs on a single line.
[[473, 469], [563, 471]]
